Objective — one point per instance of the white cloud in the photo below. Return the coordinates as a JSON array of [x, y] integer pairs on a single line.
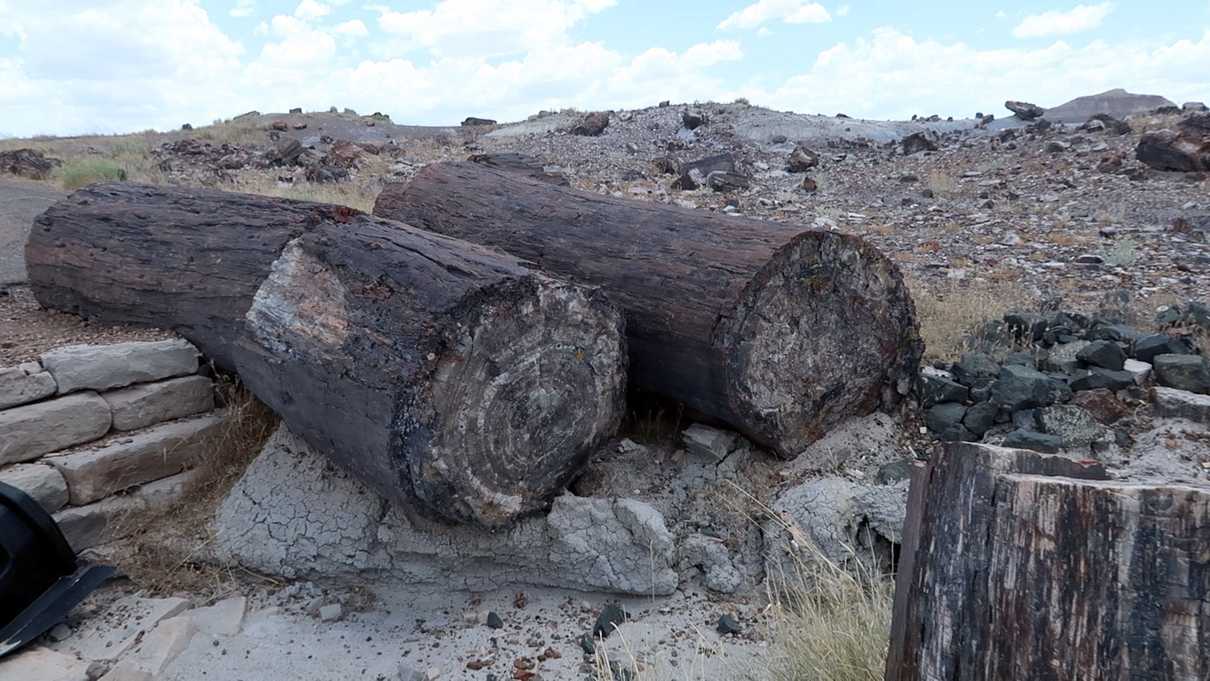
[[842, 11], [353, 28], [243, 8], [893, 75], [487, 27], [1057, 22], [311, 9], [765, 11]]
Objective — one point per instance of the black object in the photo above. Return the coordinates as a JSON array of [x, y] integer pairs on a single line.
[[40, 580]]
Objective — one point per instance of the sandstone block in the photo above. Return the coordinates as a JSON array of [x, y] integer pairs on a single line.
[[102, 367], [29, 431], [1182, 404], [94, 524], [41, 482], [149, 403], [24, 384], [43, 664], [95, 472]]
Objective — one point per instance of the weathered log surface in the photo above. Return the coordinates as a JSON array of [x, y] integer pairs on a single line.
[[777, 331], [1035, 567], [434, 370]]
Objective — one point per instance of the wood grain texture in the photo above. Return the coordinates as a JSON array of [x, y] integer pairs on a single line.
[[1036, 567], [777, 331], [449, 377]]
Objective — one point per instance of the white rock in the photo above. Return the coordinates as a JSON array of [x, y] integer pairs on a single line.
[[24, 384], [1140, 370], [162, 644], [331, 612], [149, 403], [102, 367], [1183, 404], [43, 664], [127, 671], [111, 635], [712, 443], [41, 482], [223, 618], [94, 473], [32, 430]]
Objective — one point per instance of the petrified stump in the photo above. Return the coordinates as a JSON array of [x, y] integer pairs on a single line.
[[1029, 566], [434, 370], [777, 331]]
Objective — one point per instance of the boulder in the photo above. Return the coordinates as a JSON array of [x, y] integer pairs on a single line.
[[1105, 354], [1185, 150], [1182, 404], [102, 367], [1025, 110], [1028, 439], [710, 443], [1076, 428], [1147, 347], [24, 384], [1098, 377], [27, 432], [710, 554], [1065, 358], [975, 369], [694, 173], [592, 124], [693, 119], [938, 386], [295, 514], [28, 163], [801, 159], [981, 418], [1019, 387], [945, 420], [925, 140], [471, 121], [1183, 372], [836, 519]]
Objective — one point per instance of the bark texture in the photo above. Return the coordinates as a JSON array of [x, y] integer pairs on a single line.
[[1035, 567], [446, 376], [779, 332]]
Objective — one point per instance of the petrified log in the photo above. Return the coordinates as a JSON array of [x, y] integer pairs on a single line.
[[777, 331], [1030, 566], [434, 370]]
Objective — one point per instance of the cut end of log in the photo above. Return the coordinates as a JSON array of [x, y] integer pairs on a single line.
[[824, 331], [533, 382]]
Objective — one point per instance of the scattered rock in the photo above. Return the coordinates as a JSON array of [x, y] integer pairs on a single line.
[[28, 163], [728, 626], [711, 443], [946, 422], [1019, 387], [592, 125], [1106, 354], [494, 621], [801, 159], [1024, 110], [612, 616], [1147, 347], [1097, 377], [925, 140], [693, 119], [1183, 372]]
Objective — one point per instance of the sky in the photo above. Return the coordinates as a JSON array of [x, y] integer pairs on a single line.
[[106, 66]]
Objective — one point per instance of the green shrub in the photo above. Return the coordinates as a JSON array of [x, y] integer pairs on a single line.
[[79, 172]]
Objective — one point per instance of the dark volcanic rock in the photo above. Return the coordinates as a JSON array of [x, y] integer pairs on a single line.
[[473, 121], [1102, 353], [1020, 387], [28, 163], [1183, 150], [611, 617], [1184, 372], [945, 420], [937, 389], [1098, 377], [1146, 348], [1038, 442], [976, 368], [693, 119]]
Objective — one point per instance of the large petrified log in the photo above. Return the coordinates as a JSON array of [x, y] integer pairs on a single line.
[[777, 331], [1027, 566], [434, 370]]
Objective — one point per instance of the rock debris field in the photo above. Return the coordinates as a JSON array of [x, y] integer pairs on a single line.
[[1080, 235]]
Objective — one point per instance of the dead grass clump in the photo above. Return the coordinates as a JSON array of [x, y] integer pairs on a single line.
[[948, 315], [942, 184], [165, 551], [359, 195]]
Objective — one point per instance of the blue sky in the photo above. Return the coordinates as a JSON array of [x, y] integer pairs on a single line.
[[121, 65]]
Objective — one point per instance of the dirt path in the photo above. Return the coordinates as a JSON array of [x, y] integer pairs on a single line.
[[20, 202]]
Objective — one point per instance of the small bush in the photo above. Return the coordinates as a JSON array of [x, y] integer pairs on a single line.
[[79, 172]]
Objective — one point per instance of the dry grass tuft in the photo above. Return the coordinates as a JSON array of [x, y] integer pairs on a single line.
[[165, 552], [949, 314]]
